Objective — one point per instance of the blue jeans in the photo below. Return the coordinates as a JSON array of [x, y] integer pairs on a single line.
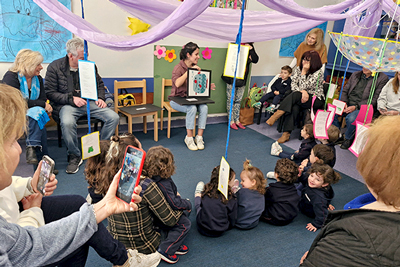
[[36, 136], [350, 118], [191, 111], [69, 116], [239, 91], [57, 207]]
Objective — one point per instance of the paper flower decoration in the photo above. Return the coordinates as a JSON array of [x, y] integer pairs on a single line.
[[170, 55], [206, 53], [138, 26], [160, 51]]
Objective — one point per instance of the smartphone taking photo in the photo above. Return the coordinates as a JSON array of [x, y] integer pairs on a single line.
[[45, 172], [130, 174]]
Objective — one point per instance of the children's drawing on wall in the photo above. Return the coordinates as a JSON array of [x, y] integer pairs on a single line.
[[23, 24], [290, 44], [233, 4]]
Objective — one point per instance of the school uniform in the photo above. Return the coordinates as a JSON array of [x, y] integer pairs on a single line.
[[281, 203], [282, 87], [214, 217], [304, 151], [314, 203], [251, 205]]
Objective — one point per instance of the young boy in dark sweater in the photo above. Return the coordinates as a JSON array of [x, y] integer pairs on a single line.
[[278, 90], [305, 147], [281, 198], [333, 136], [159, 166]]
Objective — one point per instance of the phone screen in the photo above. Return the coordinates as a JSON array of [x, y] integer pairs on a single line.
[[44, 175], [130, 175]]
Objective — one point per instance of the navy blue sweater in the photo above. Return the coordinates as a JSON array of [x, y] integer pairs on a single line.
[[305, 150], [215, 217], [169, 190], [251, 205], [314, 203], [281, 203], [282, 87]]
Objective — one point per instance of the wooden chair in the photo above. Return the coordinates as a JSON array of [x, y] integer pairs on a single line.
[[166, 105], [139, 110]]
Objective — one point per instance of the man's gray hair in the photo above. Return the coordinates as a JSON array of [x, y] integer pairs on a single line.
[[73, 45]]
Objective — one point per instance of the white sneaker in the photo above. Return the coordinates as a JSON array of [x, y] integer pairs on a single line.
[[190, 143], [137, 259], [199, 142], [270, 175], [199, 188], [276, 149]]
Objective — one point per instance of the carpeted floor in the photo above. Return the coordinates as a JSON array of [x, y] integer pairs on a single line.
[[265, 245]]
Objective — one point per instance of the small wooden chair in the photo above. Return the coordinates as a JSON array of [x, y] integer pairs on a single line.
[[166, 105], [139, 110]]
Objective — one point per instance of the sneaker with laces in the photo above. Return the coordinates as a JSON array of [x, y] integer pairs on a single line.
[[270, 175], [182, 250], [199, 188], [270, 109], [190, 143], [73, 164], [199, 142], [168, 258], [257, 105], [141, 260]]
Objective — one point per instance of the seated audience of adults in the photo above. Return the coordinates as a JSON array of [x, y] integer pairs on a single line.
[[64, 92], [24, 75], [307, 81], [389, 100], [355, 93], [370, 235]]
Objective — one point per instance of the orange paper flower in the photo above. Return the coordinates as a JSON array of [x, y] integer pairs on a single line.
[[170, 55]]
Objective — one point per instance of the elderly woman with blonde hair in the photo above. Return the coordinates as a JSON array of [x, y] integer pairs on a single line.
[[370, 235], [24, 75]]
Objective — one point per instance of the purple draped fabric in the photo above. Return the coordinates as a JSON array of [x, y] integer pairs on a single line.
[[193, 19], [290, 7], [366, 26]]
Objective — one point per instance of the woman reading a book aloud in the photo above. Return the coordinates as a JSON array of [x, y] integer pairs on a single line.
[[189, 56]]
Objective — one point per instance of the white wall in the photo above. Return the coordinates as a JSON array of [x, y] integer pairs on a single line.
[[139, 63]]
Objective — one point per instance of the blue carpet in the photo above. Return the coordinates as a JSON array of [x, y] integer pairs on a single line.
[[264, 245]]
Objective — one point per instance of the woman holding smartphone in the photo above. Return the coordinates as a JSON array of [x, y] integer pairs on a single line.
[[189, 56], [68, 230]]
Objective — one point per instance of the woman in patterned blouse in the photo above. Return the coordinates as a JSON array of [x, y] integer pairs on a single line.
[[307, 82]]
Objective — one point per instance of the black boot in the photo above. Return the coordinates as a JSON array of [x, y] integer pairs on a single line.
[[346, 144], [31, 155]]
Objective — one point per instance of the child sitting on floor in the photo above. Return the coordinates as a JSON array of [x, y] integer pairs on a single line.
[[321, 154], [281, 198], [333, 136], [317, 194], [278, 90], [215, 213], [305, 147], [159, 166], [251, 202]]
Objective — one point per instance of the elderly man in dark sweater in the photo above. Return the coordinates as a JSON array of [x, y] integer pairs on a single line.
[[356, 93], [63, 90]]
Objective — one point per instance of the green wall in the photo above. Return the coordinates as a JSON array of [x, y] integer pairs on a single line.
[[163, 69]]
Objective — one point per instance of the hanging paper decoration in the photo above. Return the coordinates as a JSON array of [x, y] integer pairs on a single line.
[[138, 26], [367, 52], [160, 51], [206, 53], [170, 55]]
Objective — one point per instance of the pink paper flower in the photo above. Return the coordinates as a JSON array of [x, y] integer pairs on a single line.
[[160, 51], [170, 55], [206, 53]]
